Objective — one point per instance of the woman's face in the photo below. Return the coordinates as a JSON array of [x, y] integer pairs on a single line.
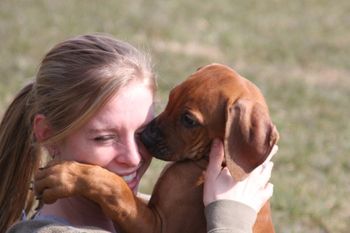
[[110, 138]]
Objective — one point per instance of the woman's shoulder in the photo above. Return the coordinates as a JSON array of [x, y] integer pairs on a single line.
[[50, 226]]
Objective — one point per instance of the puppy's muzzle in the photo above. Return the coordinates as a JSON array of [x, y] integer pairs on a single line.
[[153, 139]]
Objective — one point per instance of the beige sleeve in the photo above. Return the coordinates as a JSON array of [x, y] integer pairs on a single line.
[[226, 216]]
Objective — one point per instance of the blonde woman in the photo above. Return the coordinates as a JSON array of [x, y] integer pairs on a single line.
[[91, 96], [80, 107]]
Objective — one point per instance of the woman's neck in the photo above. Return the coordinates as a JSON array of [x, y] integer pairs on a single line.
[[79, 211]]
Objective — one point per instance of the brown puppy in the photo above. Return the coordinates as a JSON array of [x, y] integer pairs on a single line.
[[214, 102]]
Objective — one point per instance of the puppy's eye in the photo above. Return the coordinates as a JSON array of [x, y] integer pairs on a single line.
[[189, 121]]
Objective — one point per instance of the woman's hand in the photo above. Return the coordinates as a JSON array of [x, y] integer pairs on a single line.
[[253, 191]]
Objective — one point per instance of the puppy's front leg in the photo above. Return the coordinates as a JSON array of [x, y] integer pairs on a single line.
[[68, 178]]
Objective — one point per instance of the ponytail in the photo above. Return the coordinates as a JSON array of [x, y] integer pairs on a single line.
[[18, 158]]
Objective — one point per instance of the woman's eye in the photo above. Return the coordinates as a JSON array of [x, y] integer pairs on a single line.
[[104, 138]]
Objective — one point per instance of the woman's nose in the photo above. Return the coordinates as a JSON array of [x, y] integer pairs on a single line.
[[131, 157]]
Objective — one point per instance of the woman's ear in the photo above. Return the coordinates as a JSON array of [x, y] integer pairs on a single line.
[[41, 128]]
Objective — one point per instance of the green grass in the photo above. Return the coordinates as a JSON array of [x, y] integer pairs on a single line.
[[297, 52]]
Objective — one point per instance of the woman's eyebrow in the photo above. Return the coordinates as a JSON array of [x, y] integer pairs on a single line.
[[100, 130]]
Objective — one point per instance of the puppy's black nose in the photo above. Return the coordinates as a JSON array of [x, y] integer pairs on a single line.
[[151, 135]]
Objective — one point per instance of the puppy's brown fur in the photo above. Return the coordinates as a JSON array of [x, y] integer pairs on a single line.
[[214, 102]]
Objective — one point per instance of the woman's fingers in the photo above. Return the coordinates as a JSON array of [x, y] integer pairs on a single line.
[[216, 156], [267, 193], [266, 172], [213, 171], [253, 191], [272, 153]]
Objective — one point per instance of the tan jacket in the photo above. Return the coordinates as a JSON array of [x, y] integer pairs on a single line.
[[227, 216]]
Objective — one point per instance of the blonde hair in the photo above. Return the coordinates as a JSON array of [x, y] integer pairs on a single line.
[[75, 79]]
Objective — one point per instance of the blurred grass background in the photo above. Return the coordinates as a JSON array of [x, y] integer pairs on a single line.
[[297, 52]]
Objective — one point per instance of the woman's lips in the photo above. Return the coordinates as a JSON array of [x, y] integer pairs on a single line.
[[131, 177], [131, 180]]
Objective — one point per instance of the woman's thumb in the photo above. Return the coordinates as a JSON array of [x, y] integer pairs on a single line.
[[216, 156]]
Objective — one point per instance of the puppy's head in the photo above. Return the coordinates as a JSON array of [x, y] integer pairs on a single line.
[[214, 102]]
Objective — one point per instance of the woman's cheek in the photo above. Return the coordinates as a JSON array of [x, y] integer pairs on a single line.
[[101, 157]]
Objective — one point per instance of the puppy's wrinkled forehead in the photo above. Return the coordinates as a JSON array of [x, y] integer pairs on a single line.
[[210, 85]]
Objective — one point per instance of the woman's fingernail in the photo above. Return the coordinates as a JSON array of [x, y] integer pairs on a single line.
[[216, 143]]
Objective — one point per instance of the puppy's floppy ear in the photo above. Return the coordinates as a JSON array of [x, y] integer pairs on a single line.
[[249, 136]]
